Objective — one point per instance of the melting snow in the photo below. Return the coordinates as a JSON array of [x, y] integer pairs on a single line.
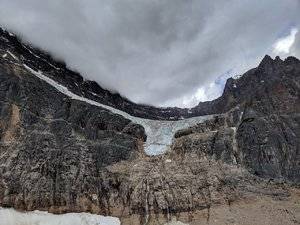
[[13, 217], [159, 133]]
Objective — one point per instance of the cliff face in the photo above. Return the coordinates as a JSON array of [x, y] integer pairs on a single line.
[[64, 155], [52, 146], [260, 134]]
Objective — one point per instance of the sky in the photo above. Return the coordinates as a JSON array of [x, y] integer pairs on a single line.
[[158, 52]]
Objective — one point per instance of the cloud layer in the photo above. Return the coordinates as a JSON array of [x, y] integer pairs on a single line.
[[160, 52], [295, 48]]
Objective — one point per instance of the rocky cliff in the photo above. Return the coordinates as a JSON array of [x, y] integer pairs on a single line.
[[61, 154]]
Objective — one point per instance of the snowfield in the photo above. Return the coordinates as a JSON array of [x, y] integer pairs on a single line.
[[13, 217], [159, 133]]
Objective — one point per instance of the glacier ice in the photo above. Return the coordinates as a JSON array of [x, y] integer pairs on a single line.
[[159, 133]]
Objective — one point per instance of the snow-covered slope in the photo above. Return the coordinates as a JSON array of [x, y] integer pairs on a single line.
[[13, 217], [159, 133]]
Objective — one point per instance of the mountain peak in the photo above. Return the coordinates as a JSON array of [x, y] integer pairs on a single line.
[[267, 60], [292, 60], [278, 59]]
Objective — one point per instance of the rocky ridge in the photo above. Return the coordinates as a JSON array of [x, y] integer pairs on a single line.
[[63, 155]]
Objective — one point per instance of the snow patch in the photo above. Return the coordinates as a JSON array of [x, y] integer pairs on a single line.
[[13, 217], [160, 133], [93, 93]]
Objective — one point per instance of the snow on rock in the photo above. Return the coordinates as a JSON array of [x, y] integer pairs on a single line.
[[159, 133], [236, 77], [12, 55], [13, 217], [35, 55]]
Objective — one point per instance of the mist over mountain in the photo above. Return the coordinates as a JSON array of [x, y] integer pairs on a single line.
[[163, 53]]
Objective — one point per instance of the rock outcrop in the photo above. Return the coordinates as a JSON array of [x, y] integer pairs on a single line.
[[63, 155], [267, 144]]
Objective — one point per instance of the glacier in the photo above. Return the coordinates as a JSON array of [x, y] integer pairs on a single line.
[[160, 133]]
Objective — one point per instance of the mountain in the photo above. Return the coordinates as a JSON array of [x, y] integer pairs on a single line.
[[68, 145]]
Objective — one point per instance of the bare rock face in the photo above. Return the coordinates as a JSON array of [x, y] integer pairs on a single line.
[[262, 132], [54, 150], [266, 145], [63, 155]]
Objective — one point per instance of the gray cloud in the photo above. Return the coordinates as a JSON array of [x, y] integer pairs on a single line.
[[161, 52], [295, 49]]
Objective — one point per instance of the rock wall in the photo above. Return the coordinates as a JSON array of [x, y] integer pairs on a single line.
[[54, 150]]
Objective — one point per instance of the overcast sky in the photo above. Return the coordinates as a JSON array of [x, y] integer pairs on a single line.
[[159, 52]]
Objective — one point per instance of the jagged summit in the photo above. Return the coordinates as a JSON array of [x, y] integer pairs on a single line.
[[266, 60]]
